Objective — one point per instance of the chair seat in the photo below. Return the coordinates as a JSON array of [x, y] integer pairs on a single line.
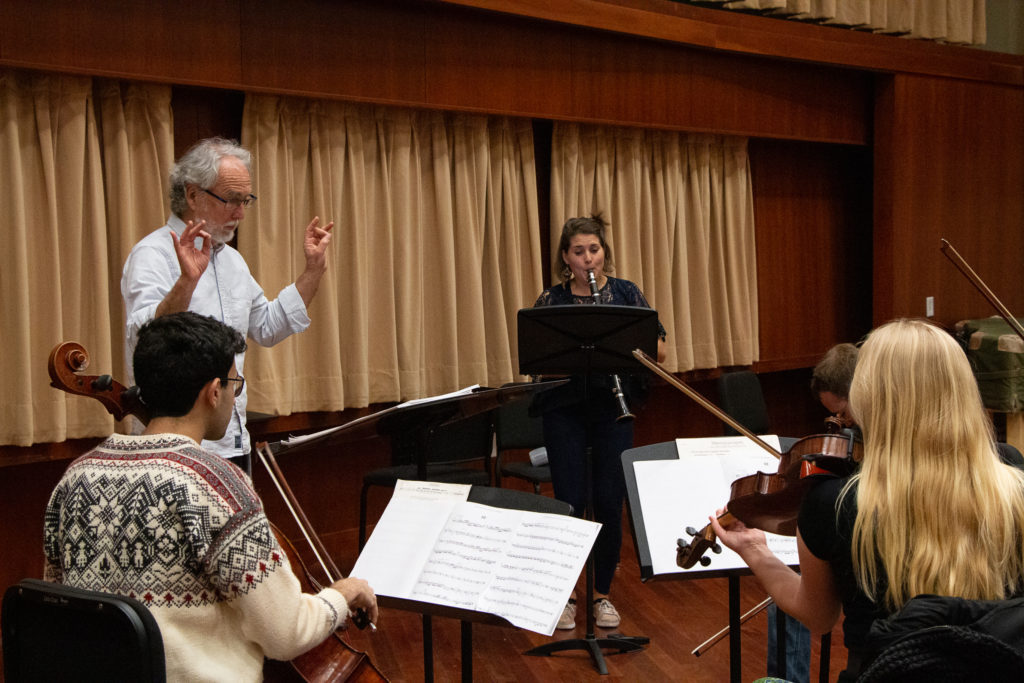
[[452, 474], [527, 471]]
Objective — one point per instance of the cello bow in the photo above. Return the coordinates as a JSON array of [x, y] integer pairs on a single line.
[[954, 256]]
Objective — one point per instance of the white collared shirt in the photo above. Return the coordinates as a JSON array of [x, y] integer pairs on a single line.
[[226, 291]]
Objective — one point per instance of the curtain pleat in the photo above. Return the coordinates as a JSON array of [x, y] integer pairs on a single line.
[[434, 249], [59, 269], [137, 142], [680, 212]]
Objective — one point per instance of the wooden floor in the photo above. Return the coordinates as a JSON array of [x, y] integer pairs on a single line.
[[676, 615]]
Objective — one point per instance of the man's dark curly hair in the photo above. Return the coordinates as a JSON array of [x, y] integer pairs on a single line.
[[176, 355]]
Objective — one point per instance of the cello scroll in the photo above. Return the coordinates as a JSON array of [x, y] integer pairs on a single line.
[[67, 365]]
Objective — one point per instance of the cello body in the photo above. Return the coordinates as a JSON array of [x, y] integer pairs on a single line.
[[331, 660]]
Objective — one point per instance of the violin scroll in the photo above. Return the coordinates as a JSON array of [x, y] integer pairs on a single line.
[[689, 554], [67, 364]]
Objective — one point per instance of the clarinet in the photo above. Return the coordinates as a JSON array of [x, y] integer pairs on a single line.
[[624, 413]]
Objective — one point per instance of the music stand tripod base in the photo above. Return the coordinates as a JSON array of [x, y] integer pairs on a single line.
[[595, 646], [584, 339]]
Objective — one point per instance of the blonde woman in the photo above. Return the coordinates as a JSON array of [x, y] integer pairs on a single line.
[[936, 506]]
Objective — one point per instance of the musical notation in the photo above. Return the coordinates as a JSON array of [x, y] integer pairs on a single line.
[[435, 547]]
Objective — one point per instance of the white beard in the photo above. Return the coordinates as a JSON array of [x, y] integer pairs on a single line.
[[223, 234]]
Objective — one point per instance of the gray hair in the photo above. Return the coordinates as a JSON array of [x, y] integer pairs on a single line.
[[200, 166]]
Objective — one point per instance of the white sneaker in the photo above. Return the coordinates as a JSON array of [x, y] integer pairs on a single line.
[[567, 621], [605, 614]]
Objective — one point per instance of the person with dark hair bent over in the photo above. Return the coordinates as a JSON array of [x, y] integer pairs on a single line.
[[157, 518], [830, 381], [830, 384]]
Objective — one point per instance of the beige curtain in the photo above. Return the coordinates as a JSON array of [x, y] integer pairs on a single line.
[[137, 139], [950, 21], [434, 248], [680, 209], [57, 270]]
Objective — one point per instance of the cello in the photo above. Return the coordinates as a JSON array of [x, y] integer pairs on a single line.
[[331, 660]]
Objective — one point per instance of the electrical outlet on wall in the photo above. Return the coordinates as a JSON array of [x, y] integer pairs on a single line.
[[929, 306]]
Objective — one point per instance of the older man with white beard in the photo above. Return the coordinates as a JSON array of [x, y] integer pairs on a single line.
[[188, 265]]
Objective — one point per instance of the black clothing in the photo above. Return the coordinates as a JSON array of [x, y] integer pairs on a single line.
[[828, 536]]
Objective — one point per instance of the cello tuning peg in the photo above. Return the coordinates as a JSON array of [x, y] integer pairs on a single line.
[[103, 383], [705, 560]]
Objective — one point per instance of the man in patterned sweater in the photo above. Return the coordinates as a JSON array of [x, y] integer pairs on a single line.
[[157, 518]]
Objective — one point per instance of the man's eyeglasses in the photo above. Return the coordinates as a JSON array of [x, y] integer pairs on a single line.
[[232, 203], [241, 383]]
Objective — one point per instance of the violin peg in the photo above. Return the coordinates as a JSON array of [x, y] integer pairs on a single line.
[[690, 530], [103, 383], [705, 560], [715, 548], [682, 544]]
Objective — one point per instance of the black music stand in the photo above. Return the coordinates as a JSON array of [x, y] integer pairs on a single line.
[[644, 555], [484, 495], [580, 340]]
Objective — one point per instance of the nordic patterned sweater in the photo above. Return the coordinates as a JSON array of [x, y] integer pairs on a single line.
[[160, 520]]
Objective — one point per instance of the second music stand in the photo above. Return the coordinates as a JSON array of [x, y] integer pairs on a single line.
[[564, 340]]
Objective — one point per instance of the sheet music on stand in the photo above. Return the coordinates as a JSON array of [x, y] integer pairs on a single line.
[[673, 494], [294, 441], [433, 546]]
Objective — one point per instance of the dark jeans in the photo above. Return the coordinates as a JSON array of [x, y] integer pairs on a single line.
[[798, 648], [565, 437]]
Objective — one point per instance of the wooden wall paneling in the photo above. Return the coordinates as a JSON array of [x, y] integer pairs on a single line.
[[25, 490], [812, 212], [512, 66], [205, 112], [441, 56], [624, 80], [183, 42], [766, 36], [628, 80], [367, 51], [949, 164], [761, 97]]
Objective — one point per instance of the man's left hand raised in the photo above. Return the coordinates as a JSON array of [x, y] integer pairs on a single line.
[[314, 244]]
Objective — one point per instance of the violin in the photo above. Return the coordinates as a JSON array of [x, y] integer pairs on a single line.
[[331, 660], [766, 501], [771, 502]]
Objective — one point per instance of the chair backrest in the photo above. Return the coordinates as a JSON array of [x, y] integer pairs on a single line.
[[740, 397], [465, 440], [514, 427], [53, 632]]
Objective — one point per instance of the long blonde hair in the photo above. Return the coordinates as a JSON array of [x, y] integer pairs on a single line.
[[937, 511]]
